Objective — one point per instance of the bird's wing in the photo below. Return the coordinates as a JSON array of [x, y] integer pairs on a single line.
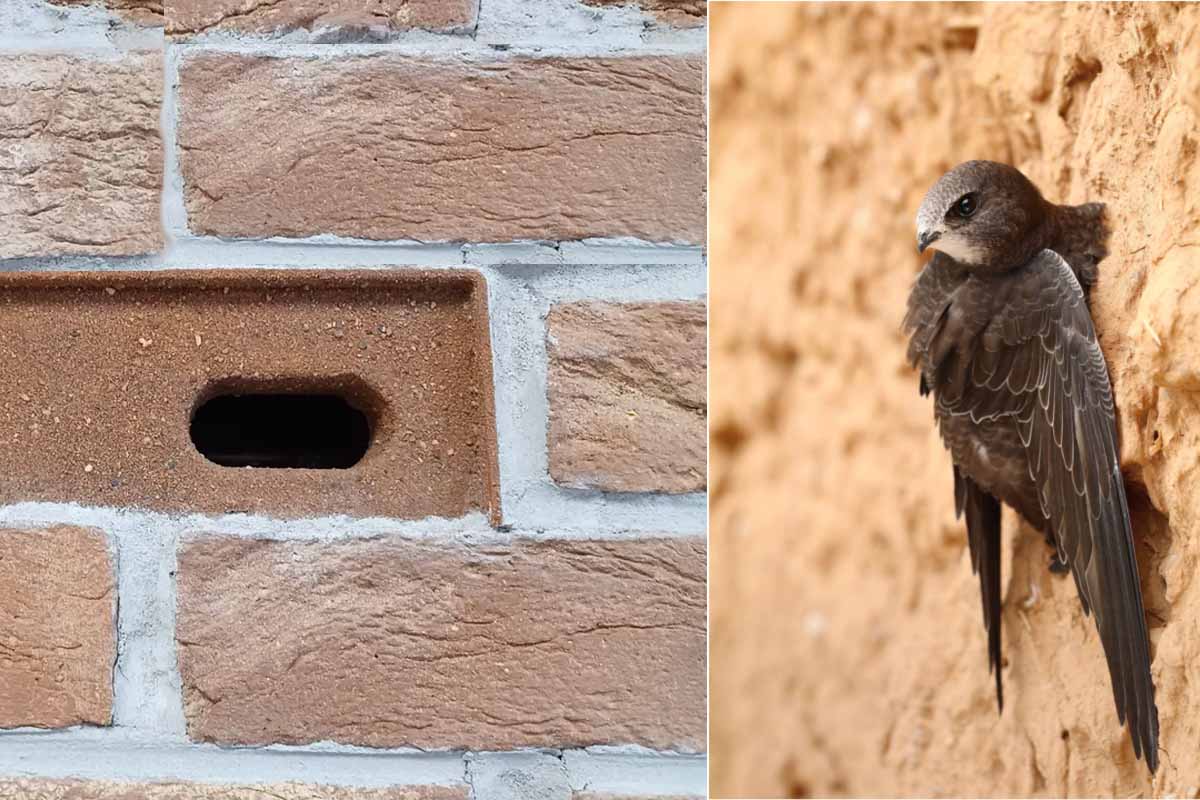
[[1039, 362], [927, 301], [983, 535]]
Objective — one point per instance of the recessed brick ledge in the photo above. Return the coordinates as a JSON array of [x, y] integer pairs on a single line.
[[106, 369]]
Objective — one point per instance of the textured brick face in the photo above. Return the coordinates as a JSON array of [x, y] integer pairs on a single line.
[[370, 17], [80, 155], [36, 789], [627, 396], [57, 640], [146, 12], [680, 13], [444, 150], [145, 348], [393, 643]]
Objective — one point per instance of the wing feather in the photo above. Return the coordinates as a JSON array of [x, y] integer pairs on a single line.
[[927, 302], [1054, 384]]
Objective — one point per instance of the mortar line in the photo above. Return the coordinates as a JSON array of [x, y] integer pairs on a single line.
[[457, 47], [147, 687], [469, 778], [173, 209], [117, 755], [472, 529], [192, 252], [19, 45]]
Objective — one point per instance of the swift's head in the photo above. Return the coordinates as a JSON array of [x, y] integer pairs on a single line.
[[981, 214]]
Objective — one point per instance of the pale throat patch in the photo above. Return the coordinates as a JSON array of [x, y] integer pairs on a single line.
[[953, 246]]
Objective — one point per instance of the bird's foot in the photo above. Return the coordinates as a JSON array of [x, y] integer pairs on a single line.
[[1058, 566]]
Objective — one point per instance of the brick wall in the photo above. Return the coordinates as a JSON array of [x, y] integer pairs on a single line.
[[482, 221]]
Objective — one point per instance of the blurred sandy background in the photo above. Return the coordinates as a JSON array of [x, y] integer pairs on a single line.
[[848, 652]]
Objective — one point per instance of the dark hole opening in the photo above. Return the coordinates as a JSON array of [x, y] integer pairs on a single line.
[[307, 431]]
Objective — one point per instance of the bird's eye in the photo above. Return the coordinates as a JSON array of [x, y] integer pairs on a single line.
[[965, 206]]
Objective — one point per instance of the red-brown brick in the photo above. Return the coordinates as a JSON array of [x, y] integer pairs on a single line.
[[396, 642], [80, 155], [627, 395], [146, 12], [444, 150], [41, 789], [373, 18], [146, 347], [679, 13], [57, 635]]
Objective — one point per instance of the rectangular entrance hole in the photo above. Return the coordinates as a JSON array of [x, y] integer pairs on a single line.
[[297, 431]]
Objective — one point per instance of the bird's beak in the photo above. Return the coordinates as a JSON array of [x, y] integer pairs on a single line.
[[926, 238]]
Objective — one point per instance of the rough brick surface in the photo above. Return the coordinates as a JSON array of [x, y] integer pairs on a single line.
[[444, 150], [627, 396], [145, 348], [343, 18], [390, 643], [80, 155], [680, 13], [36, 789], [146, 12], [57, 640]]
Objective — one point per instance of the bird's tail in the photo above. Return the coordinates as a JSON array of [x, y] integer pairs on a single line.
[[1084, 230]]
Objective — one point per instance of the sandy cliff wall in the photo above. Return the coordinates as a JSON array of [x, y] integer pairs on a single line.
[[848, 650]]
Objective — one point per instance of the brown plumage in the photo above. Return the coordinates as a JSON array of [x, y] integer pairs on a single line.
[[1001, 333]]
